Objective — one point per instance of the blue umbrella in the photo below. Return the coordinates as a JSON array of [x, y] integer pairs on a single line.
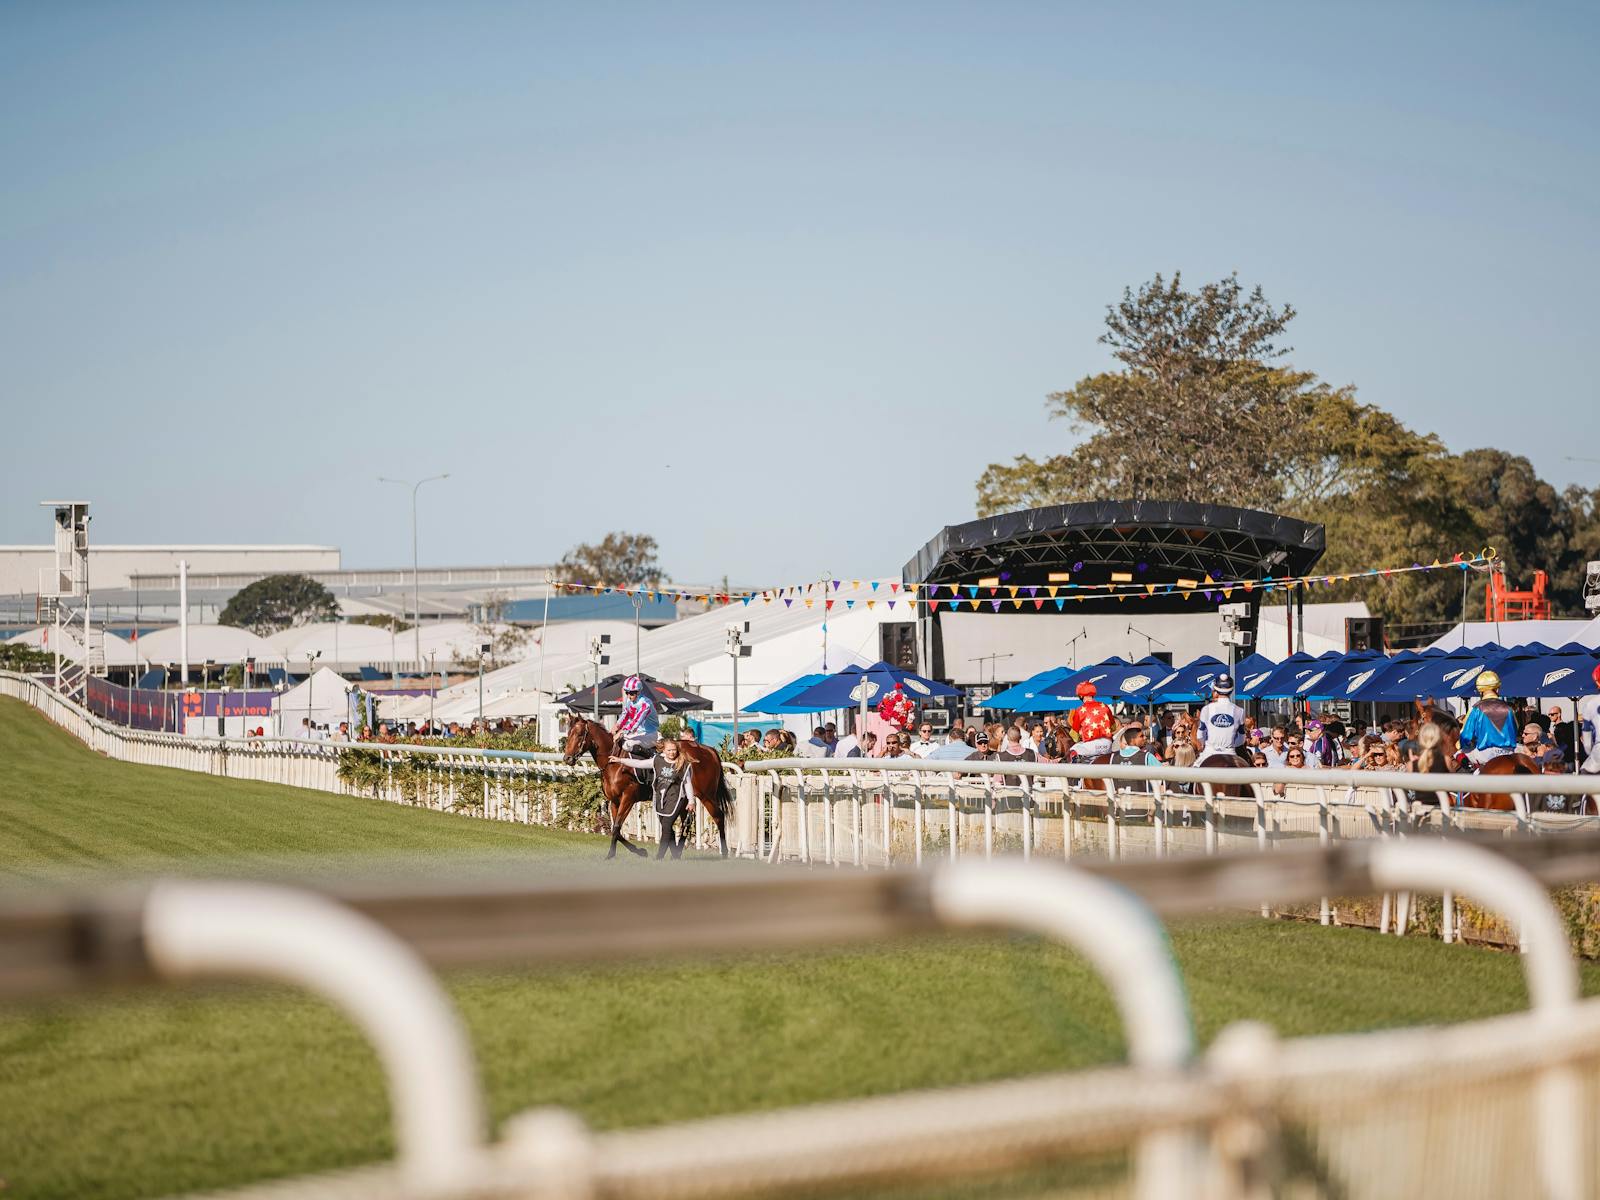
[[776, 701], [1099, 674], [1568, 671], [1188, 683], [1295, 673], [866, 685], [1349, 673], [1136, 681], [1250, 673], [1449, 674], [1020, 693]]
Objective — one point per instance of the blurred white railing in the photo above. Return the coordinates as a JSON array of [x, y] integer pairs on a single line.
[[1496, 1107]]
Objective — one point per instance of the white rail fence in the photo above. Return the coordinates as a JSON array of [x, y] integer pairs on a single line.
[[905, 810], [1492, 1108]]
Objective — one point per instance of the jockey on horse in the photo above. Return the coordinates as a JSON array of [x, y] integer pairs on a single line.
[[1222, 726], [639, 727], [1091, 723], [1490, 731]]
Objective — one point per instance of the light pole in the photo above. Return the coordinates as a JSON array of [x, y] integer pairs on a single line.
[[483, 651], [416, 604], [311, 685], [598, 657], [737, 650], [433, 690]]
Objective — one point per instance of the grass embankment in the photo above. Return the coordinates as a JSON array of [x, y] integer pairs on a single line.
[[163, 1092]]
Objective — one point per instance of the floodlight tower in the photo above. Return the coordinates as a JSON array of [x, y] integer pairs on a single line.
[[64, 595]]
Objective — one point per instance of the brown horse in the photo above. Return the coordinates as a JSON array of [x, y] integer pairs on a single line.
[[1506, 764], [622, 789], [1230, 759]]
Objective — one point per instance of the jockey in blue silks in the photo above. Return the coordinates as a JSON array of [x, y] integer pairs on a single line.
[[1491, 727]]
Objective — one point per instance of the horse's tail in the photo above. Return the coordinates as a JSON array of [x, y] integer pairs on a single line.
[[724, 795]]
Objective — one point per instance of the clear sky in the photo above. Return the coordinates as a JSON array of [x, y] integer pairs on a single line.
[[773, 283]]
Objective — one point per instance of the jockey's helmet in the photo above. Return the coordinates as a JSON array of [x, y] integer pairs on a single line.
[[1087, 690], [1597, 676], [631, 684], [1488, 683], [1222, 685]]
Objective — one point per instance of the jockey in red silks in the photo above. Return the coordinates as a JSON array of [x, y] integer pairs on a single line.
[[1091, 723], [639, 728]]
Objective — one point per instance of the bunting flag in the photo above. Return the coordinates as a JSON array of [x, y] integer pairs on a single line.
[[1213, 586]]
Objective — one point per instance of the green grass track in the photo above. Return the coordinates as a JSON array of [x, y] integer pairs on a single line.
[[158, 1092]]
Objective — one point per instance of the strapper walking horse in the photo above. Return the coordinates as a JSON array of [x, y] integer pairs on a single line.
[[622, 789]]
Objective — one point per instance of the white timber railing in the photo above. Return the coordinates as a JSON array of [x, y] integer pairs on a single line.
[[1490, 1108]]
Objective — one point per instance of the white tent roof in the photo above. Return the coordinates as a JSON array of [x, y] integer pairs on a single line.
[[1323, 631], [673, 653], [321, 698], [1518, 633], [219, 643], [119, 651]]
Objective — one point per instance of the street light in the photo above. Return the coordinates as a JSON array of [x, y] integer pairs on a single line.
[[737, 650], [311, 685], [483, 651], [416, 604]]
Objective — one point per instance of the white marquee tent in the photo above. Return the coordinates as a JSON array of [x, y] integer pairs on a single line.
[[321, 698], [217, 643], [119, 651]]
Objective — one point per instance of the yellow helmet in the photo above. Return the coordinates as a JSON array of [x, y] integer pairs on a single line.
[[1488, 684]]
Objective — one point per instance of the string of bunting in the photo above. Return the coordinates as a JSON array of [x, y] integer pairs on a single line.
[[996, 595]]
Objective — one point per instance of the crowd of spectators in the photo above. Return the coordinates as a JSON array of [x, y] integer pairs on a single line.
[[1299, 740]]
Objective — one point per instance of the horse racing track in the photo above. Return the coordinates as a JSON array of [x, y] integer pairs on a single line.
[[147, 1092]]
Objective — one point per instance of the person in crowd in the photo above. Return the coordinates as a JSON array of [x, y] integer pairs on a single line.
[[1183, 745], [1133, 747], [1295, 759], [1013, 750], [983, 748], [1490, 730], [853, 745], [955, 746], [831, 735], [1034, 739], [997, 735], [1588, 718], [686, 733], [671, 789], [923, 744], [1091, 723], [1393, 759], [1321, 750], [773, 739], [894, 746], [1541, 752], [747, 741], [970, 737], [817, 745], [1276, 750], [1564, 733]]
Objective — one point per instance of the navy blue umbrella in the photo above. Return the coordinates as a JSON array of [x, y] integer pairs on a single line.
[[1349, 673], [1297, 673], [1250, 673], [1099, 674], [867, 685], [1133, 682], [1568, 671], [1188, 683]]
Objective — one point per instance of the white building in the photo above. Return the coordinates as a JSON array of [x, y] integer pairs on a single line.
[[113, 567]]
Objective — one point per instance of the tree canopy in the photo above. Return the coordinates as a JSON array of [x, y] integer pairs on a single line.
[[619, 559], [279, 602], [1206, 409]]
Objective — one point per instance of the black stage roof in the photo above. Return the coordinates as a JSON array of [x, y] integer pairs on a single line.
[[1158, 541]]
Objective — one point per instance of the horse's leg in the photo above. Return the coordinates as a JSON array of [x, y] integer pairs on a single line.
[[630, 797]]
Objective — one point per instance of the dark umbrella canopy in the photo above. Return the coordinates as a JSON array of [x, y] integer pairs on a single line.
[[856, 685], [667, 699]]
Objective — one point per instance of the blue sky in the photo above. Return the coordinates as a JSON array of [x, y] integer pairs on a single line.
[[773, 283]]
